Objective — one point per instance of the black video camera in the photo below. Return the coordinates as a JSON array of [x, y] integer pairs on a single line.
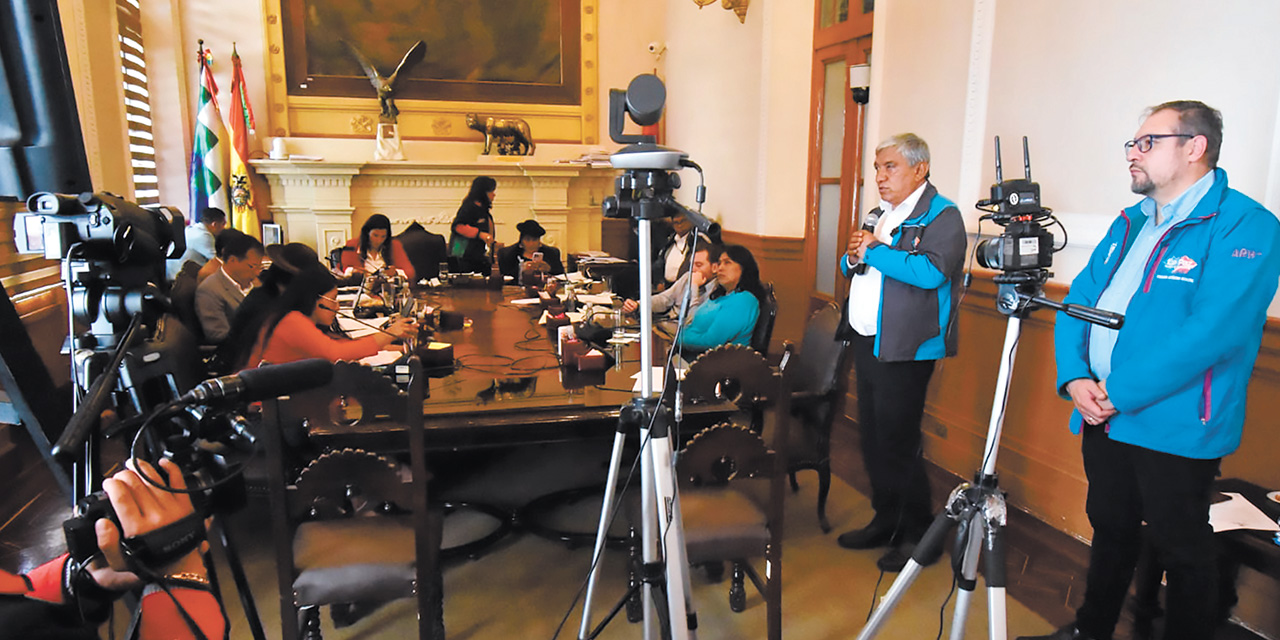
[[1025, 244], [203, 443]]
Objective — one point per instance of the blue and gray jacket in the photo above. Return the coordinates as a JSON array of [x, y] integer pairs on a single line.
[[1183, 359], [921, 271]]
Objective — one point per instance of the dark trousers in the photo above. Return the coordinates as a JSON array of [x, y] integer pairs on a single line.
[[890, 407], [1127, 485]]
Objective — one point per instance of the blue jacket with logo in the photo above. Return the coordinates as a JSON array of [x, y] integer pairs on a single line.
[[922, 271], [1183, 359]]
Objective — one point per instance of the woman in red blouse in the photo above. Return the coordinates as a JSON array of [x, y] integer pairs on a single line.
[[293, 329]]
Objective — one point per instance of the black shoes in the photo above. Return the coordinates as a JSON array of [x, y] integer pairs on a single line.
[[1069, 632], [869, 537], [896, 558]]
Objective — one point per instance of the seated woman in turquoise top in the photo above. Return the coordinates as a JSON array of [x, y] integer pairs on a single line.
[[729, 317]]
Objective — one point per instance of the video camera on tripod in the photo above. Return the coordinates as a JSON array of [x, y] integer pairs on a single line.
[[113, 254], [1025, 244], [645, 192]]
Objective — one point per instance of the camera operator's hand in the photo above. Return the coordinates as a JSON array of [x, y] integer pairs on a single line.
[[630, 306], [1091, 400], [143, 508]]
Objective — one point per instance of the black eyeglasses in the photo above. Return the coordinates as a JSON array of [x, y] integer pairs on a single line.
[[1145, 143]]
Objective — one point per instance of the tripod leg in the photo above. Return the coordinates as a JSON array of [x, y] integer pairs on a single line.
[[929, 545], [683, 622], [602, 530], [994, 521], [223, 538], [967, 581]]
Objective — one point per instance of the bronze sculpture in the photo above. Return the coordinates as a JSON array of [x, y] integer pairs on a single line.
[[386, 87], [512, 134]]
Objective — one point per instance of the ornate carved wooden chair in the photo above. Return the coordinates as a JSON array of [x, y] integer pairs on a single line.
[[733, 487], [351, 529]]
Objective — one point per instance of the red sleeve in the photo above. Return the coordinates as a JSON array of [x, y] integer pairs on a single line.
[[400, 258], [46, 580], [161, 619], [297, 338]]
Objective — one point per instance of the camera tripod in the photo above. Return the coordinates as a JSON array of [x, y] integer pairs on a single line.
[[979, 508], [666, 565]]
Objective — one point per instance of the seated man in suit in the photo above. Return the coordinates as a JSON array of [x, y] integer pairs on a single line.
[[530, 254], [220, 295], [666, 304]]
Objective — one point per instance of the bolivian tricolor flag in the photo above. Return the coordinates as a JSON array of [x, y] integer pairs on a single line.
[[208, 155], [244, 215]]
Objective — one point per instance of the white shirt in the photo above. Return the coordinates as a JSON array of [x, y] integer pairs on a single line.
[[864, 290], [243, 290], [675, 257], [374, 262]]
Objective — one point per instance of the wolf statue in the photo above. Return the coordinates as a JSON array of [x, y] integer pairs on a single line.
[[511, 134]]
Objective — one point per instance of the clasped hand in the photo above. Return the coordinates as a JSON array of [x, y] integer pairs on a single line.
[[1091, 400]]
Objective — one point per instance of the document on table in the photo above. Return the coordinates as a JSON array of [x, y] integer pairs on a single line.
[[360, 328], [596, 298], [1239, 513], [528, 302], [574, 317], [381, 358]]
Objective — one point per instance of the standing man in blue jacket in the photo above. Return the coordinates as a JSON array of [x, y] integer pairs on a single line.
[[899, 319], [1193, 267]]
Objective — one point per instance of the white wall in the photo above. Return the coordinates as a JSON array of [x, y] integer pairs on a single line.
[[738, 104], [1075, 78]]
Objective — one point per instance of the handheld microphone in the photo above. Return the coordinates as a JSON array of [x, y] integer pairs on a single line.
[[271, 381], [868, 224]]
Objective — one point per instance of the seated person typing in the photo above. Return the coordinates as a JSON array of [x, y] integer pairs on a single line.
[[376, 251], [220, 295], [666, 303], [297, 326], [729, 314], [529, 254]]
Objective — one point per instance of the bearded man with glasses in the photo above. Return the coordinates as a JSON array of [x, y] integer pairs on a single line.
[[1193, 267]]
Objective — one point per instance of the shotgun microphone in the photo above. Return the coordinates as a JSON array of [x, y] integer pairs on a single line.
[[270, 381]]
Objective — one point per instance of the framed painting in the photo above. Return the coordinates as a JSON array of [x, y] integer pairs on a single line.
[[477, 50]]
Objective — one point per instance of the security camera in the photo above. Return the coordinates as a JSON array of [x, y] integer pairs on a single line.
[[656, 47]]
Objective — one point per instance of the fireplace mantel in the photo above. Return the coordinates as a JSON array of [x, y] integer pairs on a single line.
[[324, 203]]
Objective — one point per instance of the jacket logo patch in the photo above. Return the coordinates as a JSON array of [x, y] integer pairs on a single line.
[[1109, 252], [1180, 265], [1246, 253]]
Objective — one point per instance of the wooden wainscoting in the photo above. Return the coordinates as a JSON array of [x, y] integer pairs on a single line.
[[1039, 458]]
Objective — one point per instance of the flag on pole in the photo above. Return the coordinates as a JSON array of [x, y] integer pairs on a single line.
[[208, 152], [243, 214]]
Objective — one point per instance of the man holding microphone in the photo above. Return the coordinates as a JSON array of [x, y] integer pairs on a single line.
[[899, 318]]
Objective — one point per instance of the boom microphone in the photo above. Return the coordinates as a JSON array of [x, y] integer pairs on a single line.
[[868, 224], [271, 381]]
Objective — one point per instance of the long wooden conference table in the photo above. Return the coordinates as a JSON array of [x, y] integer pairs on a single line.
[[508, 387]]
